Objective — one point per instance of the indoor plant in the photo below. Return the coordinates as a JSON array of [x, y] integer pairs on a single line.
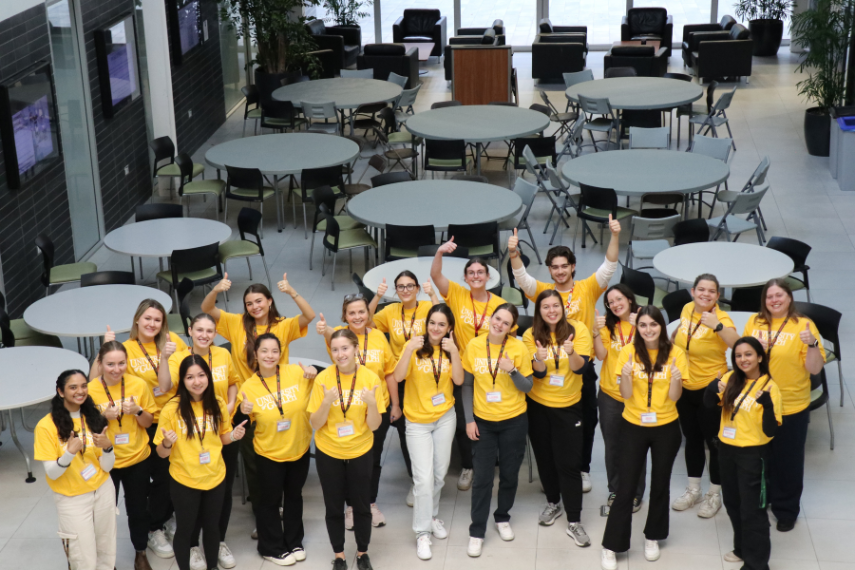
[[765, 22], [825, 33], [346, 12]]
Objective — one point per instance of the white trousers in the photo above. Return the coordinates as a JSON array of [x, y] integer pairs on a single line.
[[87, 527], [430, 453]]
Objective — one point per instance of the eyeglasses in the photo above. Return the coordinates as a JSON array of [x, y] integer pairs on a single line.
[[408, 287], [353, 297], [476, 273]]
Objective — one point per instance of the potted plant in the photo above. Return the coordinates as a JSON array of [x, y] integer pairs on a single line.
[[765, 22], [346, 12], [825, 33]]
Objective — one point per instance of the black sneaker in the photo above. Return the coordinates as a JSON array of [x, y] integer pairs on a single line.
[[636, 504], [363, 563], [339, 564], [785, 526]]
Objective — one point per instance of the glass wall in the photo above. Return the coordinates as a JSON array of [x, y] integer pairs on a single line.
[[233, 56], [602, 18], [520, 18], [684, 12]]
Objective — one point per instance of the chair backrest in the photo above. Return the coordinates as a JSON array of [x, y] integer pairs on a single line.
[[677, 76], [333, 230], [527, 192], [545, 98], [691, 231], [540, 109], [559, 183], [475, 235], [758, 178], [441, 104], [653, 228], [146, 212], [357, 73], [7, 337], [598, 198], [323, 195], [639, 282], [524, 322], [571, 79], [163, 149], [391, 178], [249, 219], [595, 106], [509, 267], [408, 98], [45, 245], [674, 302], [245, 178], [311, 178], [319, 110], [360, 286], [747, 299], [657, 137], [445, 149], [399, 80], [723, 102], [714, 147], [620, 72], [540, 147], [827, 321], [746, 203], [196, 259], [408, 237], [273, 109], [251, 94], [378, 162], [185, 167], [107, 278], [183, 291], [430, 251], [531, 164], [797, 250]]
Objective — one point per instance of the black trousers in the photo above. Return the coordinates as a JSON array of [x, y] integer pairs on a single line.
[[787, 466], [505, 441], [247, 452], [230, 458], [401, 425], [283, 485], [377, 454], [190, 505], [464, 444], [742, 481], [556, 439], [663, 443], [159, 500], [350, 480], [135, 480], [589, 415], [700, 425]]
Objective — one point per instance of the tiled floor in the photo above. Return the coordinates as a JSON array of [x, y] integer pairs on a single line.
[[804, 203]]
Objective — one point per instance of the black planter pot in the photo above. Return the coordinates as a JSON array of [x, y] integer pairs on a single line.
[[817, 131], [767, 35], [267, 83]]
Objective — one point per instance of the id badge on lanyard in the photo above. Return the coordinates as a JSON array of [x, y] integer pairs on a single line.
[[728, 432], [88, 472], [345, 428], [122, 439], [204, 457], [438, 399]]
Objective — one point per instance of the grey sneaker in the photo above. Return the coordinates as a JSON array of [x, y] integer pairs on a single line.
[[687, 500], [710, 505], [577, 532], [550, 513], [464, 482]]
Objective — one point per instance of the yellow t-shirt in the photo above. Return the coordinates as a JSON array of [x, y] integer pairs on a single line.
[[787, 360], [378, 359], [230, 326], [136, 448], [286, 436], [706, 351], [511, 402], [388, 320], [362, 439], [748, 421], [460, 303], [222, 369], [185, 461], [140, 362], [660, 403], [426, 400], [560, 387], [580, 303], [48, 447], [608, 376]]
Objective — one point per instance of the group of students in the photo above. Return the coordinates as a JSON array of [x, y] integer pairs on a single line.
[[443, 373]]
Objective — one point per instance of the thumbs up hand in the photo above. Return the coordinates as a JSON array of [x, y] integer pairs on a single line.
[[513, 242], [246, 404], [382, 288], [806, 336], [223, 285], [284, 286], [309, 372], [709, 319], [568, 345], [112, 412], [675, 372], [101, 440], [169, 349], [109, 335], [370, 396], [74, 444], [321, 325], [599, 320], [542, 353], [130, 407], [447, 247], [170, 436], [633, 317], [448, 343], [239, 431], [614, 226]]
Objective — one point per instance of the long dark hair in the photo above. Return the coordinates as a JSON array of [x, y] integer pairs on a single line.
[[427, 350], [664, 342], [406, 273], [764, 314], [540, 328], [61, 416], [612, 320], [737, 378], [273, 317], [209, 397], [259, 340]]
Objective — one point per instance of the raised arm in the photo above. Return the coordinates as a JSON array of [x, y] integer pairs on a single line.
[[307, 315], [525, 282], [436, 275], [324, 330], [209, 303], [378, 296]]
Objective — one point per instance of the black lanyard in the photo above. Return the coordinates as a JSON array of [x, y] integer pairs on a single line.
[[110, 397], [278, 396], [407, 335], [201, 432], [650, 387], [147, 357], [692, 332], [745, 395], [341, 392], [495, 372], [771, 342], [437, 370]]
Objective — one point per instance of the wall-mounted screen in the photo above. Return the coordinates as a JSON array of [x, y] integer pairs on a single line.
[[28, 125], [115, 48], [186, 28]]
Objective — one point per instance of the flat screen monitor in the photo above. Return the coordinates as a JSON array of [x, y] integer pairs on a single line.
[[115, 48], [188, 26], [28, 124]]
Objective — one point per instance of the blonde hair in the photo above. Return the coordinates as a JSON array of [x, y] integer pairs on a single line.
[[163, 336]]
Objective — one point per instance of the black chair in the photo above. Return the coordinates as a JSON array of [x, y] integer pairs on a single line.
[[363, 290], [181, 320], [364, 118], [595, 205], [55, 275], [311, 178], [280, 116], [441, 104], [391, 178], [390, 58], [323, 195], [553, 54], [15, 332], [471, 178], [827, 321], [722, 54], [524, 322], [246, 185], [422, 26], [199, 264], [674, 302], [445, 156], [188, 187], [510, 292], [430, 251], [336, 240], [648, 24], [645, 60], [798, 251], [620, 72], [344, 41], [405, 241], [107, 278], [248, 223], [482, 240], [691, 231], [251, 108], [7, 337], [642, 285], [542, 147], [723, 25], [747, 299], [145, 212], [164, 149], [819, 397]]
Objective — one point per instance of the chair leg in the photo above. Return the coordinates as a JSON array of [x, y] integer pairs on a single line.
[[840, 375], [350, 258], [305, 223], [311, 249], [536, 253], [332, 275], [830, 425], [250, 268]]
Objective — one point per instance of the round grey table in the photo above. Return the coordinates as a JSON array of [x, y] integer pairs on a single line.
[[29, 377], [477, 124], [284, 155], [734, 264], [307, 361], [452, 268], [637, 93]]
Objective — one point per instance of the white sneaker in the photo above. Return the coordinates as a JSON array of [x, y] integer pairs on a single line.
[[225, 557], [348, 518], [710, 505], [608, 560], [159, 545], [688, 499], [377, 518], [464, 482], [169, 528], [474, 548], [299, 554], [423, 547], [732, 557], [505, 531], [197, 559], [651, 550], [411, 497], [284, 559], [437, 528], [254, 534], [586, 482]]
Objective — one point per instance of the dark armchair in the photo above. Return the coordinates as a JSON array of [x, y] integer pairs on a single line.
[[646, 61], [555, 54], [545, 26], [345, 41], [722, 54], [648, 24], [724, 25], [486, 38], [498, 27], [387, 58], [422, 25]]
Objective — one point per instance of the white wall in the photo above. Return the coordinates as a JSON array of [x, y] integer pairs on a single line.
[[159, 69], [9, 8]]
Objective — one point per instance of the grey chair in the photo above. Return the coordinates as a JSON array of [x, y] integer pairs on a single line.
[[606, 122], [651, 138], [357, 73], [377, 162], [397, 79], [573, 142], [715, 119], [404, 105], [336, 239], [695, 109], [757, 179], [714, 148], [732, 225], [571, 79], [565, 194], [527, 192], [564, 119], [322, 111], [648, 237]]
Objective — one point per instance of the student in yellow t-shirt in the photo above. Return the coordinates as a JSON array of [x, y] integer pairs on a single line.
[[75, 449], [559, 349], [431, 364], [127, 404], [194, 428], [275, 399], [749, 420], [705, 333], [375, 354], [651, 380], [612, 332], [345, 409], [149, 338], [497, 376], [794, 350]]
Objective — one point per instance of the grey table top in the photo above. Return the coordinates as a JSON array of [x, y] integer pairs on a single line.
[[345, 92], [434, 202], [452, 268], [642, 171], [734, 264], [86, 311], [30, 372], [292, 359], [158, 238], [283, 154], [477, 123], [635, 93]]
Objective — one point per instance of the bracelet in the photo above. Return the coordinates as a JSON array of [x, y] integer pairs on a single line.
[[232, 435], [165, 446], [61, 465], [109, 449]]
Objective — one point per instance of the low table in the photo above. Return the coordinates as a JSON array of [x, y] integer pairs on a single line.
[[733, 264], [452, 268], [654, 43], [424, 49]]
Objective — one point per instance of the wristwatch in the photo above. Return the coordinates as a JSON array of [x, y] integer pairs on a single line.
[[139, 413], [718, 328], [815, 344]]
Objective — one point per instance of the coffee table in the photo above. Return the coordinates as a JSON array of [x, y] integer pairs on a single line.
[[424, 49]]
